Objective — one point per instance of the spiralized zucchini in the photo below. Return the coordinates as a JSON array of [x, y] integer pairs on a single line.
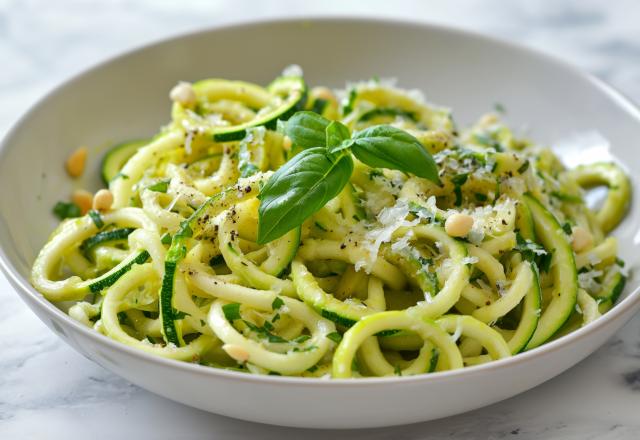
[[383, 280]]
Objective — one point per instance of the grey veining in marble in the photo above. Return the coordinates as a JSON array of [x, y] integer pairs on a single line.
[[49, 391]]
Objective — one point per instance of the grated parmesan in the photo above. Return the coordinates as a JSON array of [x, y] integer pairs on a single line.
[[587, 280], [469, 260], [390, 220], [403, 243]]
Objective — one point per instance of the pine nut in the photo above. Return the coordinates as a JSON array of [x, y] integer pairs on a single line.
[[84, 200], [183, 94], [76, 162], [458, 225], [103, 200]]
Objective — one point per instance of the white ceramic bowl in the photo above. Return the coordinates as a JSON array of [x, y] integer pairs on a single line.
[[127, 98]]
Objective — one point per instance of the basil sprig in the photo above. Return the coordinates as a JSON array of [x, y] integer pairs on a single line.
[[316, 175]]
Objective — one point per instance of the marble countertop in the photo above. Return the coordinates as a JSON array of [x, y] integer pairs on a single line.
[[47, 390]]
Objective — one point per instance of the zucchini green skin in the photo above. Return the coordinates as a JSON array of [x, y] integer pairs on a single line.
[[435, 356], [105, 237], [619, 190], [524, 221], [117, 156], [553, 238], [102, 283], [294, 92], [283, 253], [170, 330], [530, 316], [326, 305], [352, 205], [389, 112], [177, 251], [286, 86], [611, 290]]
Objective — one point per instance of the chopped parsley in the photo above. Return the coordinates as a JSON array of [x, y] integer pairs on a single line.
[[530, 250], [231, 311], [524, 167], [302, 338], [160, 187], [277, 303], [305, 349], [177, 314], [458, 180], [64, 210], [264, 332], [480, 197], [335, 337], [544, 262], [166, 238]]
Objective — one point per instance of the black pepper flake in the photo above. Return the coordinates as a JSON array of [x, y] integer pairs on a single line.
[[343, 246]]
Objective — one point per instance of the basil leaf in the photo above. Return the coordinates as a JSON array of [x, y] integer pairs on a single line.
[[384, 146], [307, 130], [298, 189], [337, 133]]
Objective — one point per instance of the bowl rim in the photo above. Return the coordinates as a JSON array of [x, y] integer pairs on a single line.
[[34, 299]]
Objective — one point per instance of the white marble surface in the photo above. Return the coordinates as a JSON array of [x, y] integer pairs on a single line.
[[49, 391]]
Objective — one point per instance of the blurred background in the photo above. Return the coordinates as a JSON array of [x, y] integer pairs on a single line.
[[47, 389], [43, 42]]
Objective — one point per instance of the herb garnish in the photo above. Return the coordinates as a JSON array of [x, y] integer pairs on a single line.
[[316, 175], [277, 303], [64, 210], [231, 311]]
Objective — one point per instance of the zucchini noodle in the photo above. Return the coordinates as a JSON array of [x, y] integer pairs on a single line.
[[397, 275]]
